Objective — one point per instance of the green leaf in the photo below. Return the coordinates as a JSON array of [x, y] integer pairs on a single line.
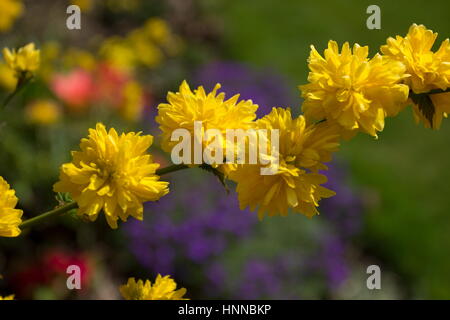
[[425, 104]]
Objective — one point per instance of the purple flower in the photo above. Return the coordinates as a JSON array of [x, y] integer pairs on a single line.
[[260, 279], [216, 278], [192, 225], [344, 210], [263, 87], [335, 263], [330, 261]]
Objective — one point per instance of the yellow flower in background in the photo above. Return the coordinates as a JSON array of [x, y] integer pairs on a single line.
[[186, 106], [50, 52], [352, 90], [145, 46], [10, 218], [85, 5], [120, 5], [8, 79], [157, 29], [133, 101], [303, 149], [10, 10], [78, 58], [43, 112], [164, 288], [26, 59], [10, 297], [119, 53], [427, 70], [112, 173], [146, 51]]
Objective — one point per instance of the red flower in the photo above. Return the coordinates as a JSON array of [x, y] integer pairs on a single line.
[[76, 88]]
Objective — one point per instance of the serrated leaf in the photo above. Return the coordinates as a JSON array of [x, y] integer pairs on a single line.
[[425, 105]]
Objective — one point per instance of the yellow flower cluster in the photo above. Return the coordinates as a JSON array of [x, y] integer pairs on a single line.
[[303, 149], [112, 173], [348, 92], [426, 71], [10, 10], [146, 45], [351, 90], [26, 59], [10, 218], [358, 93], [187, 106], [164, 288]]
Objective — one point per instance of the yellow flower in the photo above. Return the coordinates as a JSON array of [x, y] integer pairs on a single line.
[[112, 173], [10, 218], [303, 149], [351, 90], [119, 53], [10, 10], [78, 58], [427, 70], [43, 112], [49, 53], [157, 29], [146, 52], [185, 107], [85, 5], [133, 101], [10, 297], [26, 59], [8, 79], [145, 46], [162, 289]]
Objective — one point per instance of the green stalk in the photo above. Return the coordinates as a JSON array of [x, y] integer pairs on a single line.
[[73, 205], [52, 213], [21, 83], [172, 168], [436, 91]]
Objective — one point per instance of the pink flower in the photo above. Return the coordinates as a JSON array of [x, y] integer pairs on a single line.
[[76, 88]]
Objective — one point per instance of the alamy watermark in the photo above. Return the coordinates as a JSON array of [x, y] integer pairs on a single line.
[[74, 278], [236, 146], [374, 280], [374, 20], [73, 22]]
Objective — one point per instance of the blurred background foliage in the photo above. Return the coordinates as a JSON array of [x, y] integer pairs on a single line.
[[391, 207]]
